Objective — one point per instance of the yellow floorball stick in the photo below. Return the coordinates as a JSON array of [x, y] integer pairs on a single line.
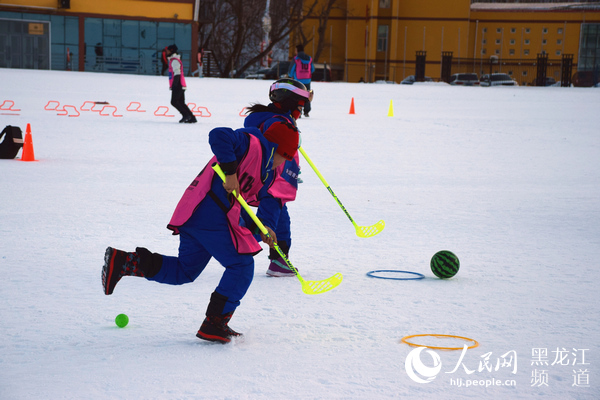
[[361, 231], [308, 287]]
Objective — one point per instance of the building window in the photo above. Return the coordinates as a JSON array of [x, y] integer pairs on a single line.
[[498, 30], [28, 44], [589, 48], [511, 52], [483, 51], [497, 51], [382, 37], [559, 31], [384, 3], [512, 41], [526, 41], [484, 41], [559, 42], [524, 73], [527, 30], [497, 41], [558, 52], [484, 30], [513, 30], [544, 42], [526, 52], [545, 30]]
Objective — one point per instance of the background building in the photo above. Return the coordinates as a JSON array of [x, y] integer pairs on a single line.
[[122, 36], [355, 40], [388, 39]]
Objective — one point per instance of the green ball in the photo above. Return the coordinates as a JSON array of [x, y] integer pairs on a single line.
[[444, 264], [121, 320]]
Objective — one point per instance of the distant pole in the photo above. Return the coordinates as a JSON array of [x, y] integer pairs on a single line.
[[330, 42], [266, 21], [441, 54], [475, 49], [396, 42], [346, 51], [366, 51], [458, 42], [404, 56]]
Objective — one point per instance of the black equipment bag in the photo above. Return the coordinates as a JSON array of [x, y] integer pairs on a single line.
[[12, 143]]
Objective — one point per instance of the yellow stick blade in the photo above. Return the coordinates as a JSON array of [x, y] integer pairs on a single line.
[[318, 287], [368, 231]]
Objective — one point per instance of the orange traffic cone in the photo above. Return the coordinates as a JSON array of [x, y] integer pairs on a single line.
[[28, 146], [352, 107]]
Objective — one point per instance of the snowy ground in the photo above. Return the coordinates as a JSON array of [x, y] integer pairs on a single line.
[[506, 178]]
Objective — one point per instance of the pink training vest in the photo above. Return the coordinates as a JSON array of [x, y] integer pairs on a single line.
[[281, 188], [303, 71], [172, 75], [249, 176]]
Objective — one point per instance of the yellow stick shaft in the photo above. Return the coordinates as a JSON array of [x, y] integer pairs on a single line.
[[257, 221]]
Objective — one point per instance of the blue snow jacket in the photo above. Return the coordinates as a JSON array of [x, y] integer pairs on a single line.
[[290, 173]]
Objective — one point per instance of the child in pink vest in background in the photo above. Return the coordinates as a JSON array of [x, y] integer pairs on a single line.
[[302, 69], [177, 85]]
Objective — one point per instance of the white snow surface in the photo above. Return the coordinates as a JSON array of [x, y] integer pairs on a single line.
[[506, 178]]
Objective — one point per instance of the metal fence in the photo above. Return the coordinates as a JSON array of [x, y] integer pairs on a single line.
[[524, 71]]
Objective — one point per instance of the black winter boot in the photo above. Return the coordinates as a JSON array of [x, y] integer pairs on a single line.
[[215, 327], [118, 263]]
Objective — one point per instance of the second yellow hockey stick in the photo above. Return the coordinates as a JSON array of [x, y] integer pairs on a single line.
[[361, 231]]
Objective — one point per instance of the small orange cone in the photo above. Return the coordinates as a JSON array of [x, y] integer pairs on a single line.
[[352, 107], [28, 146]]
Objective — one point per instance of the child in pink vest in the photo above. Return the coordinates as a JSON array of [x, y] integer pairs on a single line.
[[210, 223], [178, 86], [302, 69], [288, 96]]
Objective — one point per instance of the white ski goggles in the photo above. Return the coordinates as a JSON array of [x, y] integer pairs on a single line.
[[300, 92]]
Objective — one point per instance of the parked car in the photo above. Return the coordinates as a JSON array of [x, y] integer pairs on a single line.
[[586, 79], [322, 73], [278, 70], [258, 74], [467, 79], [549, 81], [409, 80], [497, 80]]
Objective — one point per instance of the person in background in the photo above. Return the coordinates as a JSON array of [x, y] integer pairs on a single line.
[[177, 85], [302, 69], [164, 61], [99, 50], [211, 223]]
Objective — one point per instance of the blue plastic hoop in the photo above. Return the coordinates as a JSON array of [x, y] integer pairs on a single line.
[[418, 276]]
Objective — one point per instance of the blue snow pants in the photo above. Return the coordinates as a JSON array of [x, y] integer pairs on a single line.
[[206, 235]]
